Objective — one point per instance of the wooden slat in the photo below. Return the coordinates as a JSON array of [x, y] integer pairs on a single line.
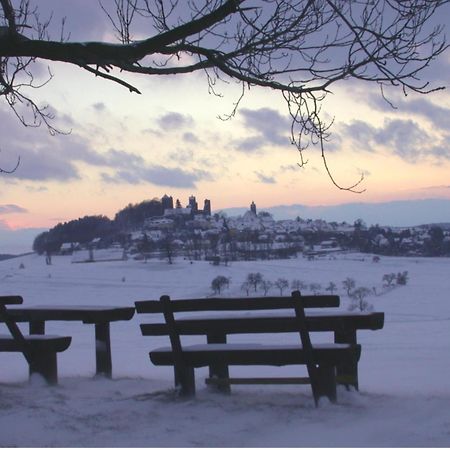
[[249, 355], [85, 314], [342, 379], [11, 300], [275, 324], [258, 380], [238, 304], [35, 343]]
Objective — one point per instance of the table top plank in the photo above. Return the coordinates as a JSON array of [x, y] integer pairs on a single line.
[[83, 313]]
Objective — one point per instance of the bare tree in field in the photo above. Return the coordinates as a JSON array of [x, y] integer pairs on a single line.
[[254, 279], [219, 283], [281, 284], [300, 48]]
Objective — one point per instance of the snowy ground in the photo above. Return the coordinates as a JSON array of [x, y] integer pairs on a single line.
[[404, 393]]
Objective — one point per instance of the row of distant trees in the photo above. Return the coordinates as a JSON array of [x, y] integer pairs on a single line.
[[255, 282]]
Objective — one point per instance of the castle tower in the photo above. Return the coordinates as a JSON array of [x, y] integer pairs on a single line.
[[207, 208], [193, 204], [167, 202]]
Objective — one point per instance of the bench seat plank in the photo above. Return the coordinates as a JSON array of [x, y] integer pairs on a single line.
[[36, 342], [40, 352], [11, 300], [256, 354]]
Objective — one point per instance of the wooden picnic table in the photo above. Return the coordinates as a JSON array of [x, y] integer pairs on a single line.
[[100, 316]]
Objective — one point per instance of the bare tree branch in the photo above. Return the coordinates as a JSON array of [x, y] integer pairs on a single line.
[[2, 170], [301, 48]]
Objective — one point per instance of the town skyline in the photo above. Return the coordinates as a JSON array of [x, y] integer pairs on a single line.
[[396, 214]]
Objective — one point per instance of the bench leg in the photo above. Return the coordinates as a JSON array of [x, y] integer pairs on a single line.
[[45, 364], [103, 349], [185, 381], [219, 371], [347, 373], [326, 382]]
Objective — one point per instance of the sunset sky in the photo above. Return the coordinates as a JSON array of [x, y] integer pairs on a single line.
[[124, 148]]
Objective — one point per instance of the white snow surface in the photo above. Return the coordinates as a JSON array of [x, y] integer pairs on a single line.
[[404, 396]]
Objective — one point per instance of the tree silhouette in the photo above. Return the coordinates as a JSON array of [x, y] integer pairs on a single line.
[[266, 286], [331, 287], [254, 279], [358, 297], [300, 48], [219, 283], [281, 284], [349, 284]]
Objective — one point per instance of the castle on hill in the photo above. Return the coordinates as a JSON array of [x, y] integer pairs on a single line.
[[191, 208]]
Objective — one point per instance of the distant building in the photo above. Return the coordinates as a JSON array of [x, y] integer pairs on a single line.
[[67, 248], [207, 208], [193, 204], [191, 208], [167, 202]]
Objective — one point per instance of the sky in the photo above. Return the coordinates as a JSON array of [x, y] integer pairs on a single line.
[[123, 148]]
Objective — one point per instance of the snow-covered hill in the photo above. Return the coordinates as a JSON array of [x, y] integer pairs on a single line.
[[404, 368]]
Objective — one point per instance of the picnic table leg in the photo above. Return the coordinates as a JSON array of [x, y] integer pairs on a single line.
[[45, 364], [347, 373], [103, 349], [219, 371]]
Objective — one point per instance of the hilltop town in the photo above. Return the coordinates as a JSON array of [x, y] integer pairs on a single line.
[[163, 228]]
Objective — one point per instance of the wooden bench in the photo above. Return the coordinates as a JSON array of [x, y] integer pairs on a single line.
[[39, 351], [99, 316], [321, 360]]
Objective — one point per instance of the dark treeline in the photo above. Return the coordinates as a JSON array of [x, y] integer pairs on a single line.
[[133, 216], [85, 229]]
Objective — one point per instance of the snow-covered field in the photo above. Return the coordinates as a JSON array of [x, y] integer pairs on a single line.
[[404, 397]]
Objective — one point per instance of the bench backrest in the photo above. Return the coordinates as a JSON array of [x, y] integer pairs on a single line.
[[237, 304], [224, 305]]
